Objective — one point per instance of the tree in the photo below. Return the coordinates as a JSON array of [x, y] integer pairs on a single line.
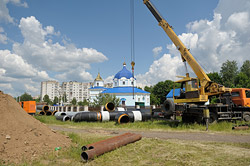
[[245, 68], [228, 72], [47, 99], [56, 100], [74, 101], [84, 102], [154, 100], [161, 89], [215, 77], [242, 80], [103, 99], [38, 99], [26, 97], [148, 89], [64, 98]]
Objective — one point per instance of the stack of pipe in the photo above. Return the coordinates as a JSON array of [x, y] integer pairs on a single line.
[[43, 110], [98, 148], [108, 114], [64, 116]]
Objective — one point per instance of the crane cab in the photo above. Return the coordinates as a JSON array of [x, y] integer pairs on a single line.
[[189, 91]]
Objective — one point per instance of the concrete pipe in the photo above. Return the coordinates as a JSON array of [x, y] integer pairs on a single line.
[[53, 113], [63, 118], [109, 107], [107, 146]]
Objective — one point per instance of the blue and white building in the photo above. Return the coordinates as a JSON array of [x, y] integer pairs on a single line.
[[124, 88]]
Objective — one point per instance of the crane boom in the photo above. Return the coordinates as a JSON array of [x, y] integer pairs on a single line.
[[207, 87]]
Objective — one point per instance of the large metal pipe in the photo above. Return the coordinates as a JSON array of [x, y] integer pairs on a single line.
[[42, 107], [87, 116], [92, 145], [108, 146], [109, 107], [245, 127], [41, 113], [132, 116]]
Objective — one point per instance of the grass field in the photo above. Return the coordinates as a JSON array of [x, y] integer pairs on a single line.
[[150, 151], [225, 127]]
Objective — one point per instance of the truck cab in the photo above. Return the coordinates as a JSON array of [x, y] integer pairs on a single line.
[[241, 97]]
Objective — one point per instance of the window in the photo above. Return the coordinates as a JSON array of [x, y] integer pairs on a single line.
[[247, 94], [123, 82], [235, 94], [97, 83]]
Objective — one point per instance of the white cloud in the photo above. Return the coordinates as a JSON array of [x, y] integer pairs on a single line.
[[3, 36], [4, 11], [157, 51], [47, 55], [212, 42]]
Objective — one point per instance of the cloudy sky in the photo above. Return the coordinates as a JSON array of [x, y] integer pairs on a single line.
[[73, 40]]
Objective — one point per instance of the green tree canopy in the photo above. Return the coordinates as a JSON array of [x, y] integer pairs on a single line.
[[84, 102], [74, 101], [215, 77], [103, 99], [47, 99], [228, 72], [245, 68], [161, 89], [26, 97], [56, 100]]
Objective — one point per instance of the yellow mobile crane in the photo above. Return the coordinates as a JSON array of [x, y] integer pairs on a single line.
[[197, 90]]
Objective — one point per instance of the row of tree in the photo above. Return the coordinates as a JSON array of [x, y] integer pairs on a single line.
[[229, 76]]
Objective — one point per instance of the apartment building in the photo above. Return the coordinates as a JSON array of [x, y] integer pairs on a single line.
[[72, 89]]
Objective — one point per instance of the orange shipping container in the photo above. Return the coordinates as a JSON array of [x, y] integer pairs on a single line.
[[28, 106]]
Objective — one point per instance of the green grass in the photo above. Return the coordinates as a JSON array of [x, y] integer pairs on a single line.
[[224, 126], [149, 151]]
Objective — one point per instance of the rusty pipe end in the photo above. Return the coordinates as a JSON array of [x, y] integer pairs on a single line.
[[84, 156], [84, 148]]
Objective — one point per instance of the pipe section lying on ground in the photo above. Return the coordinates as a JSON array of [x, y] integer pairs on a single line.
[[245, 127], [109, 145], [41, 113], [92, 145], [53, 113], [133, 116], [109, 107], [87, 116], [42, 107]]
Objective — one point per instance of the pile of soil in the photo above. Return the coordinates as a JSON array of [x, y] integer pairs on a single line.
[[22, 137]]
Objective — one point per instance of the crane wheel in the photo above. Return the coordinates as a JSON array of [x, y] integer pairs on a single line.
[[246, 116], [213, 117], [168, 107]]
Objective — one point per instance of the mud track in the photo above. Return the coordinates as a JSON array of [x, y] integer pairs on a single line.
[[193, 136]]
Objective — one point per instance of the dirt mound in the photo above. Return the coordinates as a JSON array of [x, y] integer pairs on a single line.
[[22, 137]]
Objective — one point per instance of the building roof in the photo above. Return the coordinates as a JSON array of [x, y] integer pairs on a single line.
[[98, 78], [124, 73], [176, 93], [98, 87], [124, 90]]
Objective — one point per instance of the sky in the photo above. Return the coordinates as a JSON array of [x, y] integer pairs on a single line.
[[74, 40]]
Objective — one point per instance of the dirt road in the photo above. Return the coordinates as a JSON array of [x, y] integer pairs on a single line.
[[199, 136]]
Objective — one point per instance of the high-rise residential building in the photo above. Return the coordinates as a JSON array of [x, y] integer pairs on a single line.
[[78, 90], [72, 89], [50, 88]]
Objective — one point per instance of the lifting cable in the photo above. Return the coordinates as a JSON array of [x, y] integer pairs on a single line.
[[132, 40]]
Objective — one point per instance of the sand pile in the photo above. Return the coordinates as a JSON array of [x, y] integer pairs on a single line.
[[22, 137]]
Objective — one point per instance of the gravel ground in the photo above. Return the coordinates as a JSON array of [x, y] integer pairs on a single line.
[[199, 136]]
